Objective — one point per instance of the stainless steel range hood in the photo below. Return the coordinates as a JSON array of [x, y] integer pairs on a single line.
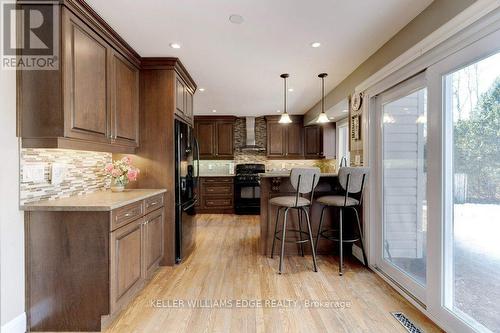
[[250, 143]]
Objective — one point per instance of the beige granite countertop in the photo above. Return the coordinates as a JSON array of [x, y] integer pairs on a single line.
[[97, 201], [273, 174]]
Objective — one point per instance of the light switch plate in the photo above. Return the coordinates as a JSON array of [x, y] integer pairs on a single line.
[[357, 159], [33, 172], [58, 173]]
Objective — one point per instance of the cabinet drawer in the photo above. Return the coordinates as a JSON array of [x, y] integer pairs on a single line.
[[219, 189], [212, 180], [126, 214], [153, 203], [219, 203]]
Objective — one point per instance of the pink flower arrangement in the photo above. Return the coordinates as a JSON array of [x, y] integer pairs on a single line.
[[122, 171]]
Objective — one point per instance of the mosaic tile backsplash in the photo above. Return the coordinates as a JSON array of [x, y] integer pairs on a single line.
[[84, 173]]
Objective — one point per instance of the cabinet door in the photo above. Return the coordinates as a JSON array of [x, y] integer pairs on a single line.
[[205, 133], [295, 140], [179, 96], [85, 83], [126, 262], [189, 106], [275, 139], [313, 141], [153, 240], [225, 134], [124, 101]]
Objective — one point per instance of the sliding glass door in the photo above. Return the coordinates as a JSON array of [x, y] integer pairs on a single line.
[[436, 186], [470, 99], [403, 143]]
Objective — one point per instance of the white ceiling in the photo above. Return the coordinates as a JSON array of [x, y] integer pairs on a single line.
[[239, 65]]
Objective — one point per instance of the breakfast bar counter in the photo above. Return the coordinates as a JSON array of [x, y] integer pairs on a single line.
[[274, 184]]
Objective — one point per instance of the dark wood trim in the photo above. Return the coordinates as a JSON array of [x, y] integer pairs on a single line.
[[169, 63], [81, 8], [76, 144]]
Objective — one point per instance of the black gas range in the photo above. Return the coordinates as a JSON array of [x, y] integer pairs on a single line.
[[247, 188]]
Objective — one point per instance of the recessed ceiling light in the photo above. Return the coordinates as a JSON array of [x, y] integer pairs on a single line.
[[290, 89], [236, 19], [202, 89], [345, 111], [175, 45], [214, 111], [315, 44]]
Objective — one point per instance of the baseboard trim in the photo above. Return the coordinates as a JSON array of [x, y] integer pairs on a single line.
[[16, 325]]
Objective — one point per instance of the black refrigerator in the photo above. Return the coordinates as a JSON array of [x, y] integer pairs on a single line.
[[187, 159]]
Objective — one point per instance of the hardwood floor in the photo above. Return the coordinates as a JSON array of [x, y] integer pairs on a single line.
[[226, 266]]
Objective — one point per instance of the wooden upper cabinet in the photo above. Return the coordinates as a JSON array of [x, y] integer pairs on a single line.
[[205, 134], [91, 101], [225, 137], [294, 140], [215, 136], [313, 142], [276, 139], [285, 140], [124, 101], [188, 112], [86, 81], [179, 95]]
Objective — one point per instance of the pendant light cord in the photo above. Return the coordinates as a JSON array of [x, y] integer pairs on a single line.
[[285, 94], [323, 95]]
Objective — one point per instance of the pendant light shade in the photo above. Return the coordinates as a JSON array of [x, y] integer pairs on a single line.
[[323, 118], [285, 118]]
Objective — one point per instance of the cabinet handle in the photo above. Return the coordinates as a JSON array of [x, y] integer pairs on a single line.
[[153, 204], [128, 214]]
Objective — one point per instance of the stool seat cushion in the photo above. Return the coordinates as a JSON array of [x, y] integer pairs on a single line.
[[289, 201], [337, 200]]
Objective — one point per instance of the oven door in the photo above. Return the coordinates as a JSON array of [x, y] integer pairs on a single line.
[[247, 198]]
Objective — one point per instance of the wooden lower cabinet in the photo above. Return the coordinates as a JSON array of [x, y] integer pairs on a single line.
[[216, 195], [127, 259], [153, 241], [97, 260]]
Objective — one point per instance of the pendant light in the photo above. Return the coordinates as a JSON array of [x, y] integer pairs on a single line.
[[285, 118], [323, 118]]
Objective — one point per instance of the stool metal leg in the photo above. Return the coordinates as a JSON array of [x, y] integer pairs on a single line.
[[282, 253], [275, 229], [361, 237], [311, 239], [319, 228], [341, 244], [299, 213]]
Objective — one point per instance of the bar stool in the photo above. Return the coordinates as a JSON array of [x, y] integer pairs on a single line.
[[304, 181], [352, 181]]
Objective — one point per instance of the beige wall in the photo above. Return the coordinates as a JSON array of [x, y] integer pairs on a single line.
[[11, 219], [434, 16]]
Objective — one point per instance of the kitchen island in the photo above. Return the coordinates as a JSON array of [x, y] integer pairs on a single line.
[[274, 184]]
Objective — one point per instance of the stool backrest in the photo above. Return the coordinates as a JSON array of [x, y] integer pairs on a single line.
[[304, 180], [356, 176]]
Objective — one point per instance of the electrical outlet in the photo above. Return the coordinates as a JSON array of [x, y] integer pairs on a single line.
[[210, 166], [58, 173], [34, 172], [357, 159]]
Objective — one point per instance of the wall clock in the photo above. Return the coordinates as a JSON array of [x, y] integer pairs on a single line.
[[357, 100]]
